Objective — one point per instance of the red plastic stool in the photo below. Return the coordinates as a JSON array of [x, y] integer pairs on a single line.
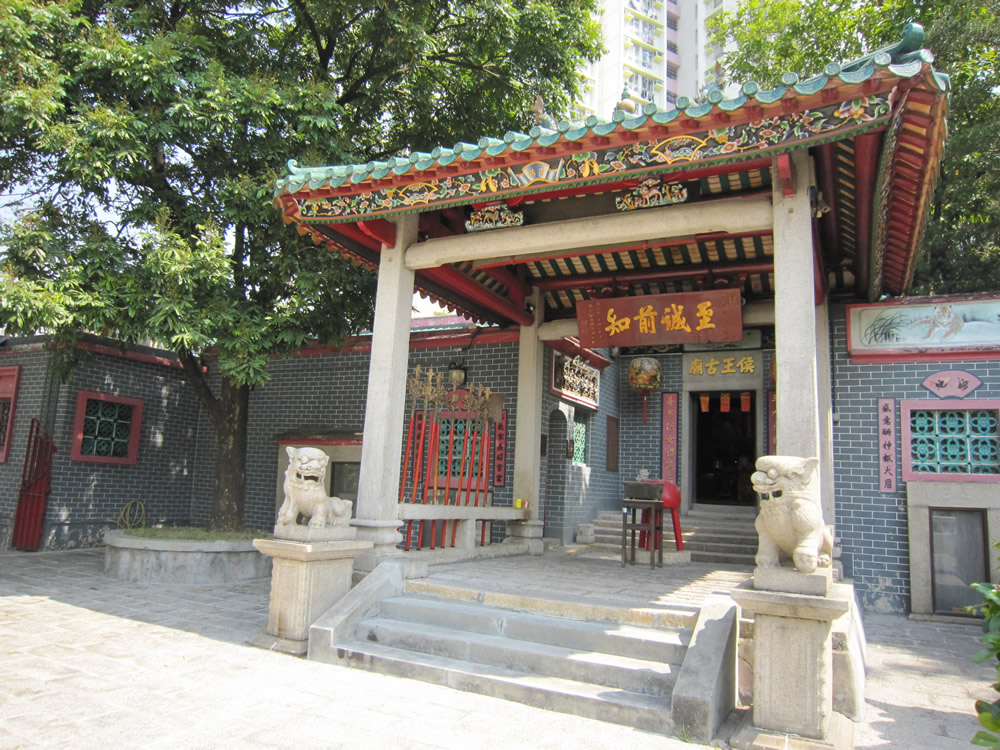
[[670, 496]]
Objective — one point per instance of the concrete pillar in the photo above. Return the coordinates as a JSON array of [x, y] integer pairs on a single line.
[[824, 375], [378, 489], [528, 430], [795, 317]]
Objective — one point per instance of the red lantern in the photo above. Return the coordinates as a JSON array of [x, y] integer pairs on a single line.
[[644, 378]]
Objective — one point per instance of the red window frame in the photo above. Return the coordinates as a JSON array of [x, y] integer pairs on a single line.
[[909, 406], [10, 380], [133, 439]]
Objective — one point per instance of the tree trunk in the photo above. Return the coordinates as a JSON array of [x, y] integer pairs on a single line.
[[231, 457]]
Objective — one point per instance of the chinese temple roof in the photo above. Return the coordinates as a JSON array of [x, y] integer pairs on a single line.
[[874, 126]]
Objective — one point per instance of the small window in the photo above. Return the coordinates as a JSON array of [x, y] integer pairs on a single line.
[[951, 440], [580, 439], [10, 377], [106, 428]]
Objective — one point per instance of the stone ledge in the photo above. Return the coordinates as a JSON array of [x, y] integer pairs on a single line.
[[139, 560]]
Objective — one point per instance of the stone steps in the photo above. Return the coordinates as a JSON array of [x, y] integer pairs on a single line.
[[713, 534], [611, 669]]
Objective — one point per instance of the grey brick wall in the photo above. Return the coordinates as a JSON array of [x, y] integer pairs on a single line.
[[641, 443], [328, 392], [32, 395], [572, 493], [85, 496], [871, 524]]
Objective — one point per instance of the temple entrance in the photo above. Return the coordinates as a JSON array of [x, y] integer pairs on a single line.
[[725, 446]]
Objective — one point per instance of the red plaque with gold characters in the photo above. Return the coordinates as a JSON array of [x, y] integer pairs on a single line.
[[684, 318]]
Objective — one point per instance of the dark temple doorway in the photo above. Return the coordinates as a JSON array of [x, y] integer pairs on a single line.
[[725, 446]]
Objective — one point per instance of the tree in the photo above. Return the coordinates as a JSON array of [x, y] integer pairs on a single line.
[[140, 141], [960, 248]]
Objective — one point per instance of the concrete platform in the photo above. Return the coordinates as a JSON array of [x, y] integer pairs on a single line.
[[91, 662]]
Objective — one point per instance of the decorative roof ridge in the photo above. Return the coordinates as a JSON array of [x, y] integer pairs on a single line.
[[904, 59]]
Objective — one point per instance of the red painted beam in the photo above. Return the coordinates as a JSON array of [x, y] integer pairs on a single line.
[[830, 223], [784, 176], [381, 230], [455, 280], [866, 153]]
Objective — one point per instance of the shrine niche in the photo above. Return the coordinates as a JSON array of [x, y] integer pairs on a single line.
[[575, 380]]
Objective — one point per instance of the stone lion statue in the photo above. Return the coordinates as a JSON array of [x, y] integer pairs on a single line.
[[790, 518], [305, 491]]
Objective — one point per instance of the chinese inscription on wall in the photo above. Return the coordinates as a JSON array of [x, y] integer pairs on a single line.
[[500, 451], [689, 317], [887, 444], [668, 453], [719, 363]]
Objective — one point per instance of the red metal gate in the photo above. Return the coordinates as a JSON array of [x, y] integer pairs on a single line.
[[35, 485]]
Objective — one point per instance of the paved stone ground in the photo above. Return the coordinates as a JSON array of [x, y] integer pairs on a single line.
[[88, 662]]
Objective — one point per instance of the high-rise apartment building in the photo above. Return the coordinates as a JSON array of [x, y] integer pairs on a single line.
[[657, 50]]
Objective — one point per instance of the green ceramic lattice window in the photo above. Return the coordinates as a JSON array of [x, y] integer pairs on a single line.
[[579, 441], [950, 441], [106, 428], [450, 444]]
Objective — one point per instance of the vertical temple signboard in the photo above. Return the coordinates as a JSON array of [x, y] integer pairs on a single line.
[[668, 453], [887, 444]]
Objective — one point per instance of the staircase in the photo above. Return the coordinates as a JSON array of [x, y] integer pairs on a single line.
[[618, 669], [716, 534]]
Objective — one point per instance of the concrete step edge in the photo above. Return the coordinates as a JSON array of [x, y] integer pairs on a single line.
[[609, 670], [624, 640], [647, 712], [649, 617]]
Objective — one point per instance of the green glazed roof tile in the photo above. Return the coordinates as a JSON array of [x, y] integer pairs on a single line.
[[632, 123], [576, 133], [771, 96], [662, 118], [699, 110], [859, 75], [904, 59], [537, 131], [731, 105], [811, 86]]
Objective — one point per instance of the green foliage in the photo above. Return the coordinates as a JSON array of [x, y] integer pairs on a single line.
[[989, 713], [960, 251], [139, 143]]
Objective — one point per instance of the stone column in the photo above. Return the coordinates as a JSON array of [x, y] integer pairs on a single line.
[[824, 375], [795, 317], [528, 430], [378, 490]]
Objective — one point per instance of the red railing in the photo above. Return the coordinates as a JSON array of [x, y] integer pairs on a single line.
[[35, 485]]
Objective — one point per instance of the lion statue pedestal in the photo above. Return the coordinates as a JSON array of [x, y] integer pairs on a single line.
[[313, 561], [794, 610]]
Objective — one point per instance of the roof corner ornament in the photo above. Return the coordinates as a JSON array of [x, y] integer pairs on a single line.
[[652, 192]]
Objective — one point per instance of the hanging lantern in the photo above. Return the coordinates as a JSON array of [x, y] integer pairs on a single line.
[[644, 378], [704, 399], [724, 402]]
